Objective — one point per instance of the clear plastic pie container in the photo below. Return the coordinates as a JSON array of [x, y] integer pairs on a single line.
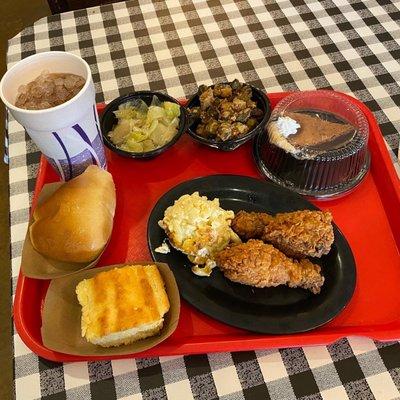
[[332, 170]]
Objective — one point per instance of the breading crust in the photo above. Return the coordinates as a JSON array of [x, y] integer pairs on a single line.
[[301, 234], [258, 264], [298, 234]]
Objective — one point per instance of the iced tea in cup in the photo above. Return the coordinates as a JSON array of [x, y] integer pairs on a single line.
[[67, 131]]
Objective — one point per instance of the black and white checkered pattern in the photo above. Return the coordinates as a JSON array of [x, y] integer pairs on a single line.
[[351, 46]]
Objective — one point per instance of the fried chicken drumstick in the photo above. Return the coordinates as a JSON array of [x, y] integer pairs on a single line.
[[301, 233], [258, 264], [298, 234]]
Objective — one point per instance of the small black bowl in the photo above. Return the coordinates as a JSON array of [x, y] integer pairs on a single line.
[[262, 103], [109, 120]]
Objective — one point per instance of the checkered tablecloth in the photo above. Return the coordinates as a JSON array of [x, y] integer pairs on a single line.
[[351, 46]]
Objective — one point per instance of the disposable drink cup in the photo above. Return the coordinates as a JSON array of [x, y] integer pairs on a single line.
[[67, 134]]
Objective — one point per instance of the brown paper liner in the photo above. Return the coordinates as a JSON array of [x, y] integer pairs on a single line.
[[61, 316], [36, 265]]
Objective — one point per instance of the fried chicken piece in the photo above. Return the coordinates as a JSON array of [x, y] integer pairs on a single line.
[[258, 264], [250, 225], [300, 234]]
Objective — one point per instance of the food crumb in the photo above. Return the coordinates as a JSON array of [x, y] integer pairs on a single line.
[[205, 270], [163, 249]]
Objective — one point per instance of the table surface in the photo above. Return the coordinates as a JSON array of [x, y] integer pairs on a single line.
[[350, 46]]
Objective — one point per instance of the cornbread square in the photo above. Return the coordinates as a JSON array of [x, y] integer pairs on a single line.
[[122, 305]]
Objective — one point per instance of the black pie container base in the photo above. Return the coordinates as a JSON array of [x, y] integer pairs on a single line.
[[319, 178], [328, 172]]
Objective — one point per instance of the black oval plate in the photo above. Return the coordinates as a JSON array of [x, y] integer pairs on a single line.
[[279, 310]]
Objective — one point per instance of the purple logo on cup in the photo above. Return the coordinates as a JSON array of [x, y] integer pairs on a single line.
[[74, 165]]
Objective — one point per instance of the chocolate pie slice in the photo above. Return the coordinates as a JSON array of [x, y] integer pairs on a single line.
[[313, 135]]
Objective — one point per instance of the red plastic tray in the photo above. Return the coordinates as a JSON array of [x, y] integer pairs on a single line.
[[369, 217]]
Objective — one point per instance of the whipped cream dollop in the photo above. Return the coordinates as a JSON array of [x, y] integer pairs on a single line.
[[287, 126]]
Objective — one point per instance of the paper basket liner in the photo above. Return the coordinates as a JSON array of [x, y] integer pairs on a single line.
[[38, 266], [61, 315]]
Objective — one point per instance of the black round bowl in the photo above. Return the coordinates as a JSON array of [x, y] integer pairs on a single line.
[[262, 103], [108, 120]]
